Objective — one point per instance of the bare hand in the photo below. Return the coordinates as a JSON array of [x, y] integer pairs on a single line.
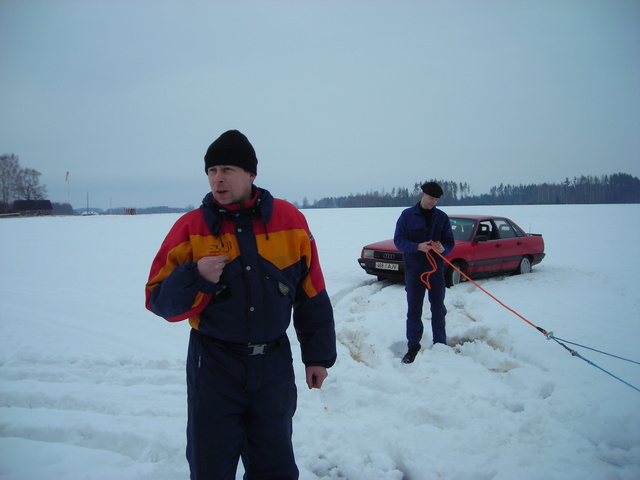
[[211, 267], [431, 245], [315, 376]]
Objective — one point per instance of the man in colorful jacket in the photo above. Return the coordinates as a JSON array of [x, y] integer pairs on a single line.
[[236, 268], [420, 229]]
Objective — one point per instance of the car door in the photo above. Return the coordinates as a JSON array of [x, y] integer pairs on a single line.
[[484, 250], [508, 245], [496, 247]]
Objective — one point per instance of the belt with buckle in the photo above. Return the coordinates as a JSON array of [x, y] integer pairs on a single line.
[[249, 349], [257, 349]]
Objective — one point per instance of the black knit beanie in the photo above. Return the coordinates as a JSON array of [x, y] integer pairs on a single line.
[[231, 148], [432, 189]]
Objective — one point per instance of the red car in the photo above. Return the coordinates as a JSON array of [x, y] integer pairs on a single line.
[[485, 246]]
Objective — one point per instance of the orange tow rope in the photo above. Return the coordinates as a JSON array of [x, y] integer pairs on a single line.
[[425, 279], [550, 336]]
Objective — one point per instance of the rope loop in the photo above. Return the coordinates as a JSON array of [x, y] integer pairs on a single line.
[[424, 278]]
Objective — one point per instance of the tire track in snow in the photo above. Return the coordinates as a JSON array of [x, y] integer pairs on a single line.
[[481, 368], [468, 335], [95, 402], [351, 306]]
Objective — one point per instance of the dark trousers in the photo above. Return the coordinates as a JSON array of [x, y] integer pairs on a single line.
[[240, 406], [415, 300]]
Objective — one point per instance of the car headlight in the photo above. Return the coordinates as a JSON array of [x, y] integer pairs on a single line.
[[366, 253]]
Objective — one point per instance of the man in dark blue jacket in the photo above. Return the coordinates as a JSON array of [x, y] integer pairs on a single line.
[[419, 230]]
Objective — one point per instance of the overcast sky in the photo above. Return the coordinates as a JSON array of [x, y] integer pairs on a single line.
[[337, 97]]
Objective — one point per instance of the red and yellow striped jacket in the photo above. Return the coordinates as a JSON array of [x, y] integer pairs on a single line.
[[273, 271]]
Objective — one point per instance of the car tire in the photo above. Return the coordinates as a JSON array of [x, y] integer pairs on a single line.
[[452, 277], [525, 266]]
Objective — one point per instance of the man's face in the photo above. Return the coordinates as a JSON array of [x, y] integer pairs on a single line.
[[427, 201], [230, 184]]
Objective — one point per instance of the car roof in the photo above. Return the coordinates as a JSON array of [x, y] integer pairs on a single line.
[[475, 217], [389, 244]]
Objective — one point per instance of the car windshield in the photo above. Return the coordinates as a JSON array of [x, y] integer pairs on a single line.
[[462, 228]]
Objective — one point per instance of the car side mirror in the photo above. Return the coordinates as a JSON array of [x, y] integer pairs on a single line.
[[481, 238]]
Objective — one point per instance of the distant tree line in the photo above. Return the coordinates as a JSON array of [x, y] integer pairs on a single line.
[[130, 210], [17, 183], [62, 208], [616, 188], [137, 211]]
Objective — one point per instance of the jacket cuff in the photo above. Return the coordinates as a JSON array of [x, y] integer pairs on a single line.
[[202, 284]]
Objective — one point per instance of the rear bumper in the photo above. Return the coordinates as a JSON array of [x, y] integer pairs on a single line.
[[537, 258]]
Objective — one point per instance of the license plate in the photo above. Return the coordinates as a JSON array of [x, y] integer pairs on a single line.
[[387, 266]]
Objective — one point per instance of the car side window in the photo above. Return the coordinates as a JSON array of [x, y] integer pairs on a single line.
[[505, 229], [462, 229], [485, 229]]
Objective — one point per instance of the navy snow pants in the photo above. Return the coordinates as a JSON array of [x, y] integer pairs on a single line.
[[415, 300], [240, 406]]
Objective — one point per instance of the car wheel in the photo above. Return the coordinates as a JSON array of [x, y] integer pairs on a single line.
[[525, 266], [452, 276]]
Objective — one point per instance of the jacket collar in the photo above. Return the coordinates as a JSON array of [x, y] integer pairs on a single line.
[[418, 211], [260, 206]]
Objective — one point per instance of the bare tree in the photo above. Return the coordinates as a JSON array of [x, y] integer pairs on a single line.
[[17, 183], [9, 173], [28, 187]]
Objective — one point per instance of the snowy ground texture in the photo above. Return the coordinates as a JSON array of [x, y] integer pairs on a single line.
[[92, 386]]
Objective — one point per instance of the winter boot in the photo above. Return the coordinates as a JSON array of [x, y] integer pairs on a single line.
[[410, 356]]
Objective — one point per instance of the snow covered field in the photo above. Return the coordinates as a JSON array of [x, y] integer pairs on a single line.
[[92, 385]]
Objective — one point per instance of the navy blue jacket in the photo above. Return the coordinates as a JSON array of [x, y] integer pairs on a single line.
[[411, 230]]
